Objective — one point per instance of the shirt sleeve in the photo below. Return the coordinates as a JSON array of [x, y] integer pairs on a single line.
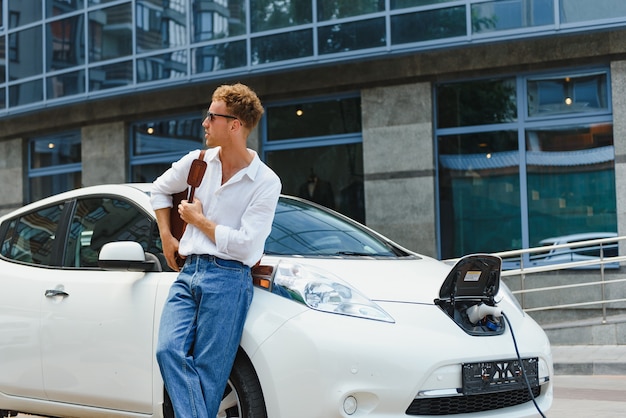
[[173, 180], [247, 242]]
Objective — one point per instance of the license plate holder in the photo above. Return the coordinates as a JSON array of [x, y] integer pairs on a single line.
[[499, 375]]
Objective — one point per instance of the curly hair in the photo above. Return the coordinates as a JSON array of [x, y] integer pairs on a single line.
[[242, 102]]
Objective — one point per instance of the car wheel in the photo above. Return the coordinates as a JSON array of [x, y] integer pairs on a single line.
[[243, 397]]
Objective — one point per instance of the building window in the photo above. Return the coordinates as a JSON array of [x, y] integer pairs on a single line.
[[155, 144], [511, 179], [54, 165], [316, 149]]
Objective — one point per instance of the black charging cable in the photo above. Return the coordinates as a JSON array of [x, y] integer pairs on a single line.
[[521, 363]]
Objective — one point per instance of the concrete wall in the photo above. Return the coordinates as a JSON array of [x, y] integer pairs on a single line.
[[618, 92], [398, 164], [104, 153], [12, 167]]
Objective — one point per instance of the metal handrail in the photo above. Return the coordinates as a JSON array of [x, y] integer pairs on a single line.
[[601, 262]]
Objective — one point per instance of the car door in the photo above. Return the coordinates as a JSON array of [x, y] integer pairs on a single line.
[[96, 325], [27, 244]]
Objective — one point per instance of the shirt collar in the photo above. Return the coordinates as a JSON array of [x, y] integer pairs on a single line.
[[251, 170]]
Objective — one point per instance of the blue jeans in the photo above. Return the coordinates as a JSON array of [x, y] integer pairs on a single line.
[[200, 331]]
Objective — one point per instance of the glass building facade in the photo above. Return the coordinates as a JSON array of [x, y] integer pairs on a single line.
[[526, 144], [67, 50]]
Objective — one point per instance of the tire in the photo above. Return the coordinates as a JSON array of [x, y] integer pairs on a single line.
[[243, 397]]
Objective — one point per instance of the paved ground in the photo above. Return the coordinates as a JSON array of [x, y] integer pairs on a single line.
[[585, 396]]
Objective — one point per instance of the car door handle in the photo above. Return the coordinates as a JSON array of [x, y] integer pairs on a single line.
[[50, 293]]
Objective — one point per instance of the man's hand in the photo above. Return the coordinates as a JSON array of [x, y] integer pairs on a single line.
[[169, 243], [192, 214]]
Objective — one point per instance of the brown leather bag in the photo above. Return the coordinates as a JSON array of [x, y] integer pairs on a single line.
[[194, 178]]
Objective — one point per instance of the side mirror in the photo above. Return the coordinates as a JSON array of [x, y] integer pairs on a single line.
[[128, 256]]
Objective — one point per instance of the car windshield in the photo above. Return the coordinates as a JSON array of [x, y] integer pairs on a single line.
[[303, 229]]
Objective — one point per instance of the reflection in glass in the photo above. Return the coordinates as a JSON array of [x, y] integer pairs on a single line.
[[48, 185], [32, 237], [218, 19], [67, 84], [23, 62], [513, 14], [26, 93], [22, 12], [476, 103], [352, 36], [110, 33], [428, 25], [3, 60], [160, 25], [176, 135], [160, 67], [331, 176], [219, 57], [98, 221], [55, 150], [567, 94], [301, 229], [284, 46], [61, 7], [275, 14], [584, 10], [479, 193], [3, 102], [571, 181], [314, 119], [111, 76], [65, 39], [339, 9]]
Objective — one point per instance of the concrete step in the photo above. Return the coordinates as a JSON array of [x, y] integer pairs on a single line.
[[589, 359], [593, 331]]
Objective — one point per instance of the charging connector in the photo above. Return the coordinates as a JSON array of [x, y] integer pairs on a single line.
[[477, 313]]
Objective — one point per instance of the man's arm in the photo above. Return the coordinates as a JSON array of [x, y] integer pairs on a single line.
[[170, 244]]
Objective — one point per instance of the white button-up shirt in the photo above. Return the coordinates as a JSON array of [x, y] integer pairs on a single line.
[[243, 208]]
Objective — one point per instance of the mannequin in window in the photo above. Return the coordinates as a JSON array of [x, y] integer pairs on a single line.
[[318, 191]]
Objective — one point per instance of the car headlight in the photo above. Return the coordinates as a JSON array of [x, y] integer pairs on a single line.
[[323, 291]]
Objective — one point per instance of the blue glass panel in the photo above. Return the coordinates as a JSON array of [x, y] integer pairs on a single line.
[[110, 33], [26, 93], [402, 4], [511, 14], [573, 11], [22, 12], [567, 94], [275, 14], [428, 25], [160, 26], [219, 57], [283, 46], [67, 84], [111, 76], [217, 19], [61, 7], [23, 61], [55, 150], [338, 9], [65, 41], [160, 67], [351, 36]]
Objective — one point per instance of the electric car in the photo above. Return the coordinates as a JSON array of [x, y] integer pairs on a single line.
[[343, 323]]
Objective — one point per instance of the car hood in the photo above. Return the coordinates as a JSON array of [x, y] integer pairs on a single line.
[[410, 280]]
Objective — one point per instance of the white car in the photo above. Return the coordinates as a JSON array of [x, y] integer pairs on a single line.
[[344, 323]]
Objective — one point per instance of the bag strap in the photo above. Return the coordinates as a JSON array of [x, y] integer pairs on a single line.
[[193, 188]]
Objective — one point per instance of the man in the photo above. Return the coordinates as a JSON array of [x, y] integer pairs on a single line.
[[227, 224]]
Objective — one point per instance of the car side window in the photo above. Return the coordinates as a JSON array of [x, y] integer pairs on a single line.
[[31, 237], [100, 220]]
